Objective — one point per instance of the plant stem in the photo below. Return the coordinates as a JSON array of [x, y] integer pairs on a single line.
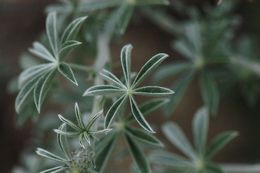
[[241, 168], [81, 67]]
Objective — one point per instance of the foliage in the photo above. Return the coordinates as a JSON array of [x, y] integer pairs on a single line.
[[88, 140], [197, 159]]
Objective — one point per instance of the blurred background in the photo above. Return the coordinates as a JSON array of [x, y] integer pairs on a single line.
[[23, 21]]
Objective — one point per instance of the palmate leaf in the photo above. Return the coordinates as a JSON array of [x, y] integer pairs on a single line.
[[41, 88], [139, 116], [148, 68], [178, 138], [138, 155], [144, 137], [153, 91], [200, 129], [104, 150], [67, 72]]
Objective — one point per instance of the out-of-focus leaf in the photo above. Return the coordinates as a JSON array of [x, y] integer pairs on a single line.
[[179, 89], [170, 70], [104, 150], [200, 129], [178, 138], [144, 137], [219, 142], [209, 92], [138, 155]]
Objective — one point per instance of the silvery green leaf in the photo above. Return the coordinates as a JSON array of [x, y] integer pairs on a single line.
[[72, 29], [49, 155], [51, 29], [213, 168], [110, 77], [139, 116], [41, 51], [34, 72], [138, 155], [41, 88], [119, 19], [170, 70], [152, 2], [193, 32], [78, 116], [170, 160], [100, 131], [93, 5], [126, 62], [61, 141], [148, 68], [177, 137], [219, 142], [24, 94], [184, 48], [200, 125], [66, 133], [68, 46], [125, 17], [93, 119], [153, 91], [102, 90], [114, 110], [144, 137], [54, 170], [179, 88], [150, 106], [69, 123], [104, 150], [209, 92], [67, 72]]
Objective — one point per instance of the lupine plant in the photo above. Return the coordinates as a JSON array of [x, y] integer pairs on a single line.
[[113, 116], [197, 159]]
